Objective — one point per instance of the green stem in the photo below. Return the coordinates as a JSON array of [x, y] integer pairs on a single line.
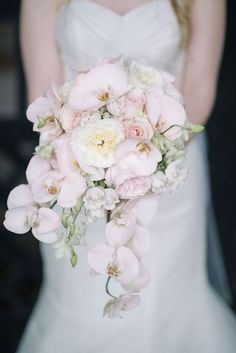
[[54, 203], [107, 289]]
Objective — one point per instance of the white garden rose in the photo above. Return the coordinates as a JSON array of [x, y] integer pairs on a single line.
[[95, 143], [142, 76], [176, 173]]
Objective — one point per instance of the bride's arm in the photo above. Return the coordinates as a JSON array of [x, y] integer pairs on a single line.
[[38, 44], [203, 58]]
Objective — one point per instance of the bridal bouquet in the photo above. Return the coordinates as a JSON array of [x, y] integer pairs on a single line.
[[111, 142]]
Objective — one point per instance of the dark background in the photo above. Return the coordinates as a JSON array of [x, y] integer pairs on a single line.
[[20, 264]]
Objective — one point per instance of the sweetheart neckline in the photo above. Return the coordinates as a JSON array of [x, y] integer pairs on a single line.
[[117, 14]]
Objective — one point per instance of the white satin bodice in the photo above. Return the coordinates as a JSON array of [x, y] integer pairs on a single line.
[[88, 32]]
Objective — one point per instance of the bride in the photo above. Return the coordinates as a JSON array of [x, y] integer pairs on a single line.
[[180, 312]]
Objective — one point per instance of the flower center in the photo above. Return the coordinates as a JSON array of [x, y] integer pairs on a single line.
[[51, 186], [113, 270], [103, 96], [144, 148], [33, 221]]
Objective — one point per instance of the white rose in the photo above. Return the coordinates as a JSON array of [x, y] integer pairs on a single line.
[[176, 173], [94, 198], [159, 182], [142, 75], [95, 143], [111, 199], [89, 117]]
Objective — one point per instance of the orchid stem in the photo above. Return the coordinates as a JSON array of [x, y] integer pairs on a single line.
[[107, 289], [52, 205]]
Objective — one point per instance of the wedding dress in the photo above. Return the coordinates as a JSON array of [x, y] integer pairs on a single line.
[[180, 312]]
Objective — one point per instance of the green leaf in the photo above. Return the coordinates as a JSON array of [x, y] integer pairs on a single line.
[[73, 258], [42, 122], [72, 230], [78, 205], [45, 151], [64, 220], [193, 127], [108, 306]]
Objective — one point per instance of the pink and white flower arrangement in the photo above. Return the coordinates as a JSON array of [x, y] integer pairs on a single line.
[[110, 144]]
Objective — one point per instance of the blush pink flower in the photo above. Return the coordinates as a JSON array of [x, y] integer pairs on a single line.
[[120, 229], [69, 119], [43, 113], [140, 282], [95, 88], [140, 157], [24, 215], [139, 128], [48, 184], [134, 187], [144, 208], [134, 103], [120, 264], [125, 302], [66, 161], [43, 221], [164, 112], [21, 195], [140, 243]]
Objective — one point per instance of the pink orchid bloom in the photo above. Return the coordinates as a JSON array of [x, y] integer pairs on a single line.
[[66, 161], [24, 215], [48, 184], [45, 109], [140, 243], [125, 302], [43, 221], [144, 208], [120, 229], [120, 263], [37, 167], [95, 88], [21, 195], [46, 188], [72, 187], [69, 119], [140, 157], [165, 111], [141, 281]]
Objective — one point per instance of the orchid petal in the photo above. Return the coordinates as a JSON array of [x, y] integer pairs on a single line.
[[129, 264], [36, 168], [99, 257], [20, 196], [16, 220], [72, 187]]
